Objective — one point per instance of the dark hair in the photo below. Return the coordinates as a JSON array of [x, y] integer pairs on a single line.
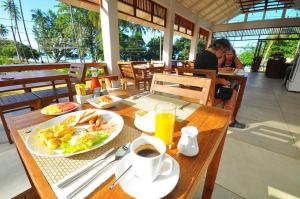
[[221, 43]]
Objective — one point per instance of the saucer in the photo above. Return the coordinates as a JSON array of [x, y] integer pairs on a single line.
[[146, 123], [134, 187]]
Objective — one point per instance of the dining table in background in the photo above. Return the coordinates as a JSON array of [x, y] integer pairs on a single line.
[[10, 81], [211, 122], [241, 79]]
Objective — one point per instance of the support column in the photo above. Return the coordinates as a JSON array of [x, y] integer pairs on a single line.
[[168, 36], [110, 34], [194, 42]]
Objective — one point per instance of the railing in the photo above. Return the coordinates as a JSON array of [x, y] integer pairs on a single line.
[[27, 67]]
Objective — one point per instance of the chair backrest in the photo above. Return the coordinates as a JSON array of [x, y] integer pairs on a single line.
[[126, 70], [211, 74], [77, 72], [164, 83], [158, 63], [98, 65]]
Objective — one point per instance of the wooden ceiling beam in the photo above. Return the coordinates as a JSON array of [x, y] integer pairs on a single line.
[[212, 5], [222, 14], [220, 10]]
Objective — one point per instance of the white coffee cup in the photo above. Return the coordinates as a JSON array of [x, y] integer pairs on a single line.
[[147, 169]]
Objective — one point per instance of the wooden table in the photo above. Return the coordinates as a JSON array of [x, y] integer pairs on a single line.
[[242, 80], [29, 77], [211, 122]]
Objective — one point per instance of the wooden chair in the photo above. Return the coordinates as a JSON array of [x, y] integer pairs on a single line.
[[77, 75], [164, 83], [128, 72], [211, 74], [15, 102]]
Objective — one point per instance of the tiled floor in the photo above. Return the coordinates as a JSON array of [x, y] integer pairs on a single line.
[[262, 161]]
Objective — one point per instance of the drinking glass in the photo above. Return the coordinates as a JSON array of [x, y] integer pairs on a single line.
[[165, 122]]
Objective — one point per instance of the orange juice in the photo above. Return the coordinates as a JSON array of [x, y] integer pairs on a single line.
[[164, 126]]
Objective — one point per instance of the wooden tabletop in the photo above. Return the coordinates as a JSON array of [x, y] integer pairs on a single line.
[[31, 77], [211, 122]]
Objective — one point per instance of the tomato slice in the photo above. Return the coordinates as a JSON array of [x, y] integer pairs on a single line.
[[66, 106]]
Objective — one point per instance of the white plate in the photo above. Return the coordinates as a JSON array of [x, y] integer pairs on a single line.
[[116, 100], [133, 186], [146, 123], [36, 147], [76, 106]]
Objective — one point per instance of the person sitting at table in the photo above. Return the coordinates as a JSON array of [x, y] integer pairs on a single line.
[[230, 61], [208, 59]]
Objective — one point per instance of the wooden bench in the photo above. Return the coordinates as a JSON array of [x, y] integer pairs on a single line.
[[13, 102]]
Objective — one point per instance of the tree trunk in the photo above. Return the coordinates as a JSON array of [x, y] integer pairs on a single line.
[[26, 31], [15, 41], [267, 52], [18, 32]]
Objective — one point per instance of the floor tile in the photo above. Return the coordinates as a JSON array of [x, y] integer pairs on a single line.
[[253, 172], [270, 135], [13, 177]]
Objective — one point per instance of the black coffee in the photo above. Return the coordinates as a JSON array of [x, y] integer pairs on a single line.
[[147, 150]]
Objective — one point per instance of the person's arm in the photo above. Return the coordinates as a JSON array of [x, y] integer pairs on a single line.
[[238, 63]]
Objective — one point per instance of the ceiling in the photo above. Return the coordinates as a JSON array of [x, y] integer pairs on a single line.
[[212, 11], [218, 11]]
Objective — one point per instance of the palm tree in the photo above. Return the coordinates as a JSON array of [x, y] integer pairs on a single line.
[[12, 9], [3, 30], [39, 29], [22, 16], [74, 31]]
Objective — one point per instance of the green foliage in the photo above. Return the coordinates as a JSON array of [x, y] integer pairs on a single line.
[[200, 46], [3, 31], [8, 52], [246, 57], [153, 48], [286, 47], [181, 49]]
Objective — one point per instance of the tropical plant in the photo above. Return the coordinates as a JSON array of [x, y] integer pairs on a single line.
[[9, 6], [3, 31], [25, 29], [181, 49], [13, 11]]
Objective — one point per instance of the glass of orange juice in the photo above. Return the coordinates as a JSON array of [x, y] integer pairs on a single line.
[[165, 122]]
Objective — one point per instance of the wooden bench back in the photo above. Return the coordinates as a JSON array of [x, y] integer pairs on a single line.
[[211, 74], [77, 72], [165, 83]]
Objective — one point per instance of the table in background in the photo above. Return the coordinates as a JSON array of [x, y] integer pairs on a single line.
[[211, 122], [242, 80]]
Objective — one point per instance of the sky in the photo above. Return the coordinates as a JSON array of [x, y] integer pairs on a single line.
[[27, 5]]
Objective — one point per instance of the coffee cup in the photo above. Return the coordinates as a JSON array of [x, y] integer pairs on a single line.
[[149, 159]]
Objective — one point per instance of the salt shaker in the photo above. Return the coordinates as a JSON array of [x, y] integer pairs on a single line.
[[188, 143]]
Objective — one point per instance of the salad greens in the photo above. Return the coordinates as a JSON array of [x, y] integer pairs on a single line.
[[84, 141]]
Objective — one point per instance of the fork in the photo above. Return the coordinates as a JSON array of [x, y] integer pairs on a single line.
[[121, 152]]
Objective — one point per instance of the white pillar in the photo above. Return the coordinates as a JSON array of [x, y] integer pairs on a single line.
[[194, 42], [168, 35], [110, 34]]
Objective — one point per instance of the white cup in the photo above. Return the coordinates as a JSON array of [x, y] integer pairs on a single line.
[[147, 169]]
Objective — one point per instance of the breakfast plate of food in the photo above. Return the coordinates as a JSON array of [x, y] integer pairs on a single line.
[[105, 101], [74, 133], [59, 108]]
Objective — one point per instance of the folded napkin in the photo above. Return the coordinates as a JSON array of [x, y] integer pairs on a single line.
[[62, 193]]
